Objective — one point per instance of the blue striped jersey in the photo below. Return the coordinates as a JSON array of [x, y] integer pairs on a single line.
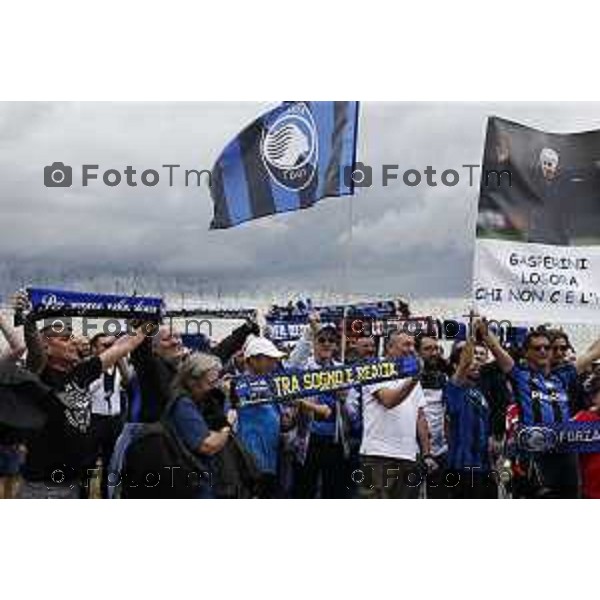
[[542, 399]]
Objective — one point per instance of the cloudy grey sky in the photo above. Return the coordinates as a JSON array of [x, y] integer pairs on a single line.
[[416, 242]]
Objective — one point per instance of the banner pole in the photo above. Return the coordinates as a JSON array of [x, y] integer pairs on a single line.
[[350, 237], [349, 247], [348, 266]]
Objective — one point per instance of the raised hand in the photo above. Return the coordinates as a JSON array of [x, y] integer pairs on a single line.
[[314, 321]]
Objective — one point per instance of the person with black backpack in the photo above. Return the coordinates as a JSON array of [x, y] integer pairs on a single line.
[[191, 452]]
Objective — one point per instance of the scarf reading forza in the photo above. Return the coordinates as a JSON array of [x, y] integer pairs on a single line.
[[292, 384], [578, 437]]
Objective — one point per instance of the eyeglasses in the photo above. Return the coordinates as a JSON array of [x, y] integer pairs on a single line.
[[541, 347], [560, 348], [326, 340]]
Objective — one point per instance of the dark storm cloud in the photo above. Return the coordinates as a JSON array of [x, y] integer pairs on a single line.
[[411, 241]]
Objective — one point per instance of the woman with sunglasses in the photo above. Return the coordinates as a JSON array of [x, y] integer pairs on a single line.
[[197, 414]]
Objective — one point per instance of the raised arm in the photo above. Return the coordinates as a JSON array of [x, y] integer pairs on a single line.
[[235, 341], [304, 346], [16, 345], [503, 358], [121, 348], [36, 355], [125, 371]]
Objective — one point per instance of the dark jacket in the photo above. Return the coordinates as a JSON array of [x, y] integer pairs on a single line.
[[155, 375], [22, 399]]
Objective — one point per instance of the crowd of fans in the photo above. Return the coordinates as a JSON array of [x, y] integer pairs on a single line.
[[141, 416]]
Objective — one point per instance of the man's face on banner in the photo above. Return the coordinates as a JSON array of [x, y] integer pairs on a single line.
[[549, 163]]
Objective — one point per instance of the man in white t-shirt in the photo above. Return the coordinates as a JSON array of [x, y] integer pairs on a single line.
[[393, 421]]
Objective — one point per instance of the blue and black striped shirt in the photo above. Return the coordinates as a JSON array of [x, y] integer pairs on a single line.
[[543, 399]]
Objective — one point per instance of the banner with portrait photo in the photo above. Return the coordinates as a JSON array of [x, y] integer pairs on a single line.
[[537, 256]]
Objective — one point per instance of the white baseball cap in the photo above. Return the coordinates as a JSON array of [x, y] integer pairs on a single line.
[[256, 346]]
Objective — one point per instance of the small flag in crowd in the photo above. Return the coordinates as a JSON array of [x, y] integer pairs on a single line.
[[286, 160]]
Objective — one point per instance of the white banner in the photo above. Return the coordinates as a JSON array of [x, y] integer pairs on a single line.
[[537, 283]]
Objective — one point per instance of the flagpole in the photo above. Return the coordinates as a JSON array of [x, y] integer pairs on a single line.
[[347, 275], [348, 253], [349, 240]]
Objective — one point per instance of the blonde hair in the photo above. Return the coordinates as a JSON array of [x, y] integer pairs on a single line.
[[194, 367]]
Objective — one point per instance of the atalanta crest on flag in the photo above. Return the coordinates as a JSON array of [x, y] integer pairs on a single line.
[[290, 146], [288, 159]]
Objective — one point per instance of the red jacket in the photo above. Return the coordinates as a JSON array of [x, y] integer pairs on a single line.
[[590, 463]]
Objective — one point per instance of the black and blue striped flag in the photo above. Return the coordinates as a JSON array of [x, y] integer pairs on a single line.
[[286, 160]]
